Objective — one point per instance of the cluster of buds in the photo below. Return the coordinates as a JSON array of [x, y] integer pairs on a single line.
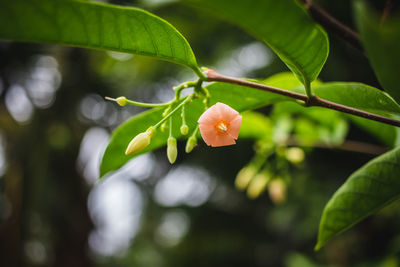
[[219, 125], [255, 183], [262, 175], [142, 140]]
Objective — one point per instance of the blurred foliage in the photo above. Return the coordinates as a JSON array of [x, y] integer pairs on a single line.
[[380, 35], [52, 210]]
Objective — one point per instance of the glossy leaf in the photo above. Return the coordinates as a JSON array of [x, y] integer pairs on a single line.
[[369, 189], [357, 95], [284, 26], [381, 39], [94, 25], [240, 98]]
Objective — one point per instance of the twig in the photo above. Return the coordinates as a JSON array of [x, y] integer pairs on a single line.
[[348, 145], [386, 10], [360, 147], [333, 25], [213, 76]]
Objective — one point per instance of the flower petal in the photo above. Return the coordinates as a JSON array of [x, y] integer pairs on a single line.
[[226, 112], [208, 133], [210, 116], [234, 127], [223, 140]]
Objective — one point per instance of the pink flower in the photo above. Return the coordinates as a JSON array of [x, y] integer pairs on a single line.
[[220, 125]]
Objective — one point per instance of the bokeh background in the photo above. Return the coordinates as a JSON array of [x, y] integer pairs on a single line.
[[55, 125]]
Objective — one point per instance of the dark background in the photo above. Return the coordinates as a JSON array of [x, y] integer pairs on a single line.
[[54, 125]]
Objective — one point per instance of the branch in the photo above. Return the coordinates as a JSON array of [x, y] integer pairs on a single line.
[[315, 101], [333, 25], [347, 145], [386, 10], [360, 147]]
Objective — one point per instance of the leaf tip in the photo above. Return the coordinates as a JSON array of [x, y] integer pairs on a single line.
[[318, 246], [102, 172]]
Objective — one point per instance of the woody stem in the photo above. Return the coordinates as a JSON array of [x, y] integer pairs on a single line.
[[213, 76]]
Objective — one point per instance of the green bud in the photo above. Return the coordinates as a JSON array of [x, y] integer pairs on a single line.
[[172, 151], [163, 126], [190, 144], [166, 111], [277, 191], [244, 177], [295, 155], [184, 129], [257, 185], [140, 142], [151, 131], [121, 101]]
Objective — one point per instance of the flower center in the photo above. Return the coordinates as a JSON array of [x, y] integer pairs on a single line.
[[222, 127]]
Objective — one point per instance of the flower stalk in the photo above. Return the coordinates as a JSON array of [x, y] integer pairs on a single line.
[[122, 101], [186, 100]]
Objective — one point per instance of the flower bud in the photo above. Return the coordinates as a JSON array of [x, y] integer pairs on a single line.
[[163, 126], [295, 155], [190, 144], [166, 111], [172, 151], [257, 185], [244, 177], [121, 101], [140, 142], [184, 129], [277, 191]]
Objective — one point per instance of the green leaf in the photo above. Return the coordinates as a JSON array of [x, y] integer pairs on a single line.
[[284, 26], [286, 80], [369, 189], [381, 39], [240, 98], [357, 95], [94, 25]]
